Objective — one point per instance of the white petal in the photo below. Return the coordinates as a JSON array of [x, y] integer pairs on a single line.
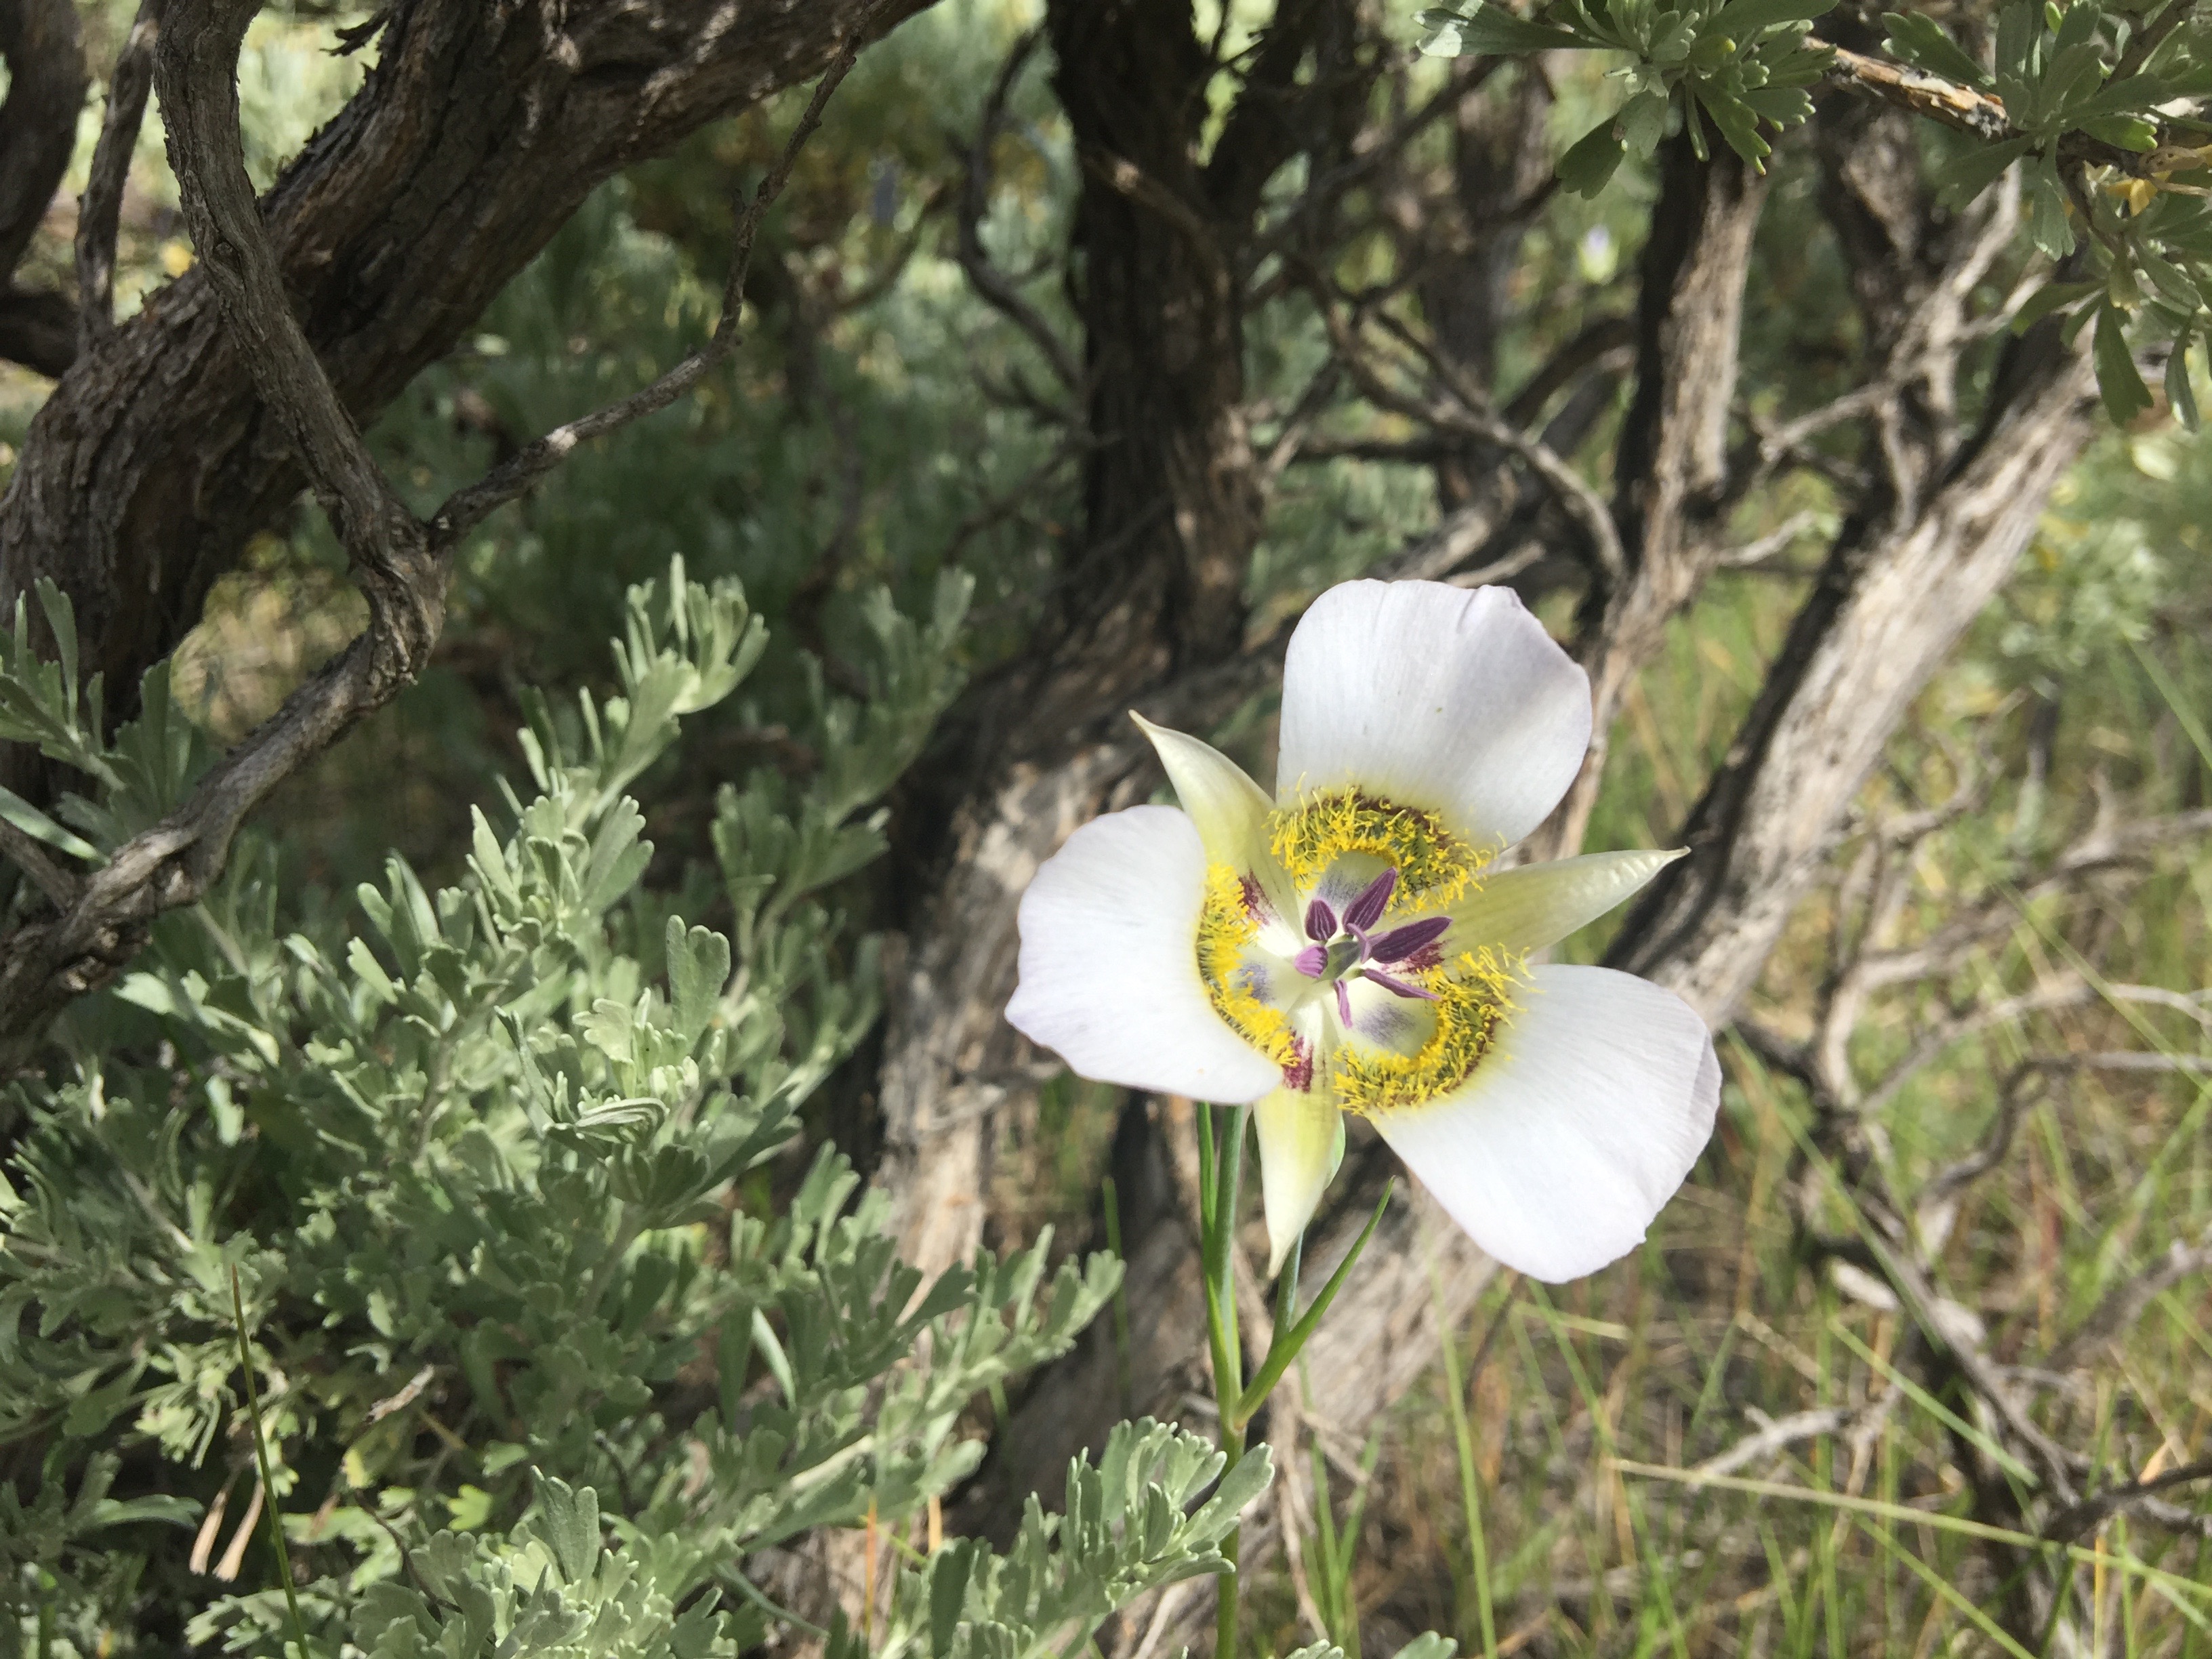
[[1577, 1126], [1301, 1143], [1435, 696], [1539, 904], [1109, 964], [1226, 805]]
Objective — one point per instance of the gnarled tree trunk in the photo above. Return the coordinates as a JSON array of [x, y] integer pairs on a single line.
[[479, 131]]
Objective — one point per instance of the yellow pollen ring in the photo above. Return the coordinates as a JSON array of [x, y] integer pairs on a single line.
[[1433, 865], [1224, 928], [1475, 994]]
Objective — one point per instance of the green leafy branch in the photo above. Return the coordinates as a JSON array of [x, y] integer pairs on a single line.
[[1741, 62], [2101, 106]]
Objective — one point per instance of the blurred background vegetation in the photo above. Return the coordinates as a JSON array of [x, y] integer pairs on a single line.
[[1985, 946]]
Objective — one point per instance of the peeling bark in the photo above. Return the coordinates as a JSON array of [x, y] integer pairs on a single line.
[[1879, 622]]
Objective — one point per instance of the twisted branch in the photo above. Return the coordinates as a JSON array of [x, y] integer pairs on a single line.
[[397, 560]]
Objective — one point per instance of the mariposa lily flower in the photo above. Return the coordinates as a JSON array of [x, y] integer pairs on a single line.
[[1352, 944]]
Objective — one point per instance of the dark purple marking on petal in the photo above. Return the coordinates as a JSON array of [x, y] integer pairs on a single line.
[[1321, 922], [1298, 1073], [1366, 910], [1401, 942], [1343, 1002], [1397, 986], [1311, 960], [1429, 956], [1254, 898]]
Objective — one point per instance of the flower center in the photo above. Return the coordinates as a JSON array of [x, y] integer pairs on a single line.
[[1392, 1017], [1344, 948]]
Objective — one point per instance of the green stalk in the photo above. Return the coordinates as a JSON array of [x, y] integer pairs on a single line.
[[1478, 1546], [1220, 1169], [1224, 1610], [1121, 1297], [268, 1483], [1286, 1292]]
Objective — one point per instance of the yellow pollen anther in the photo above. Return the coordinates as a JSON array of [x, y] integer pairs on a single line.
[[1434, 867], [1474, 994], [1226, 927]]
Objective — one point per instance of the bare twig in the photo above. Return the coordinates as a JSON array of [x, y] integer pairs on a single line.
[[1756, 554], [1297, 430], [2126, 1300], [2013, 1101], [1960, 108], [2070, 1523], [1922, 94], [469, 506], [1373, 152], [1980, 1372], [406, 1396], [1463, 410], [56, 882], [993, 285], [1470, 412], [1391, 452], [99, 211], [1931, 1046], [2104, 847], [1608, 337], [1124, 177], [38, 123], [1779, 1435], [1793, 1059]]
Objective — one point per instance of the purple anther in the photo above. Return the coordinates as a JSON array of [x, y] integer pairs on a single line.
[[1343, 1003], [1311, 960], [1367, 909], [1396, 986], [1402, 942], [1321, 922]]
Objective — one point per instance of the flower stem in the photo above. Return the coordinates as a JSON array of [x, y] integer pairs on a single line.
[[1220, 1169], [1121, 1343], [1287, 1291], [1224, 1610]]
